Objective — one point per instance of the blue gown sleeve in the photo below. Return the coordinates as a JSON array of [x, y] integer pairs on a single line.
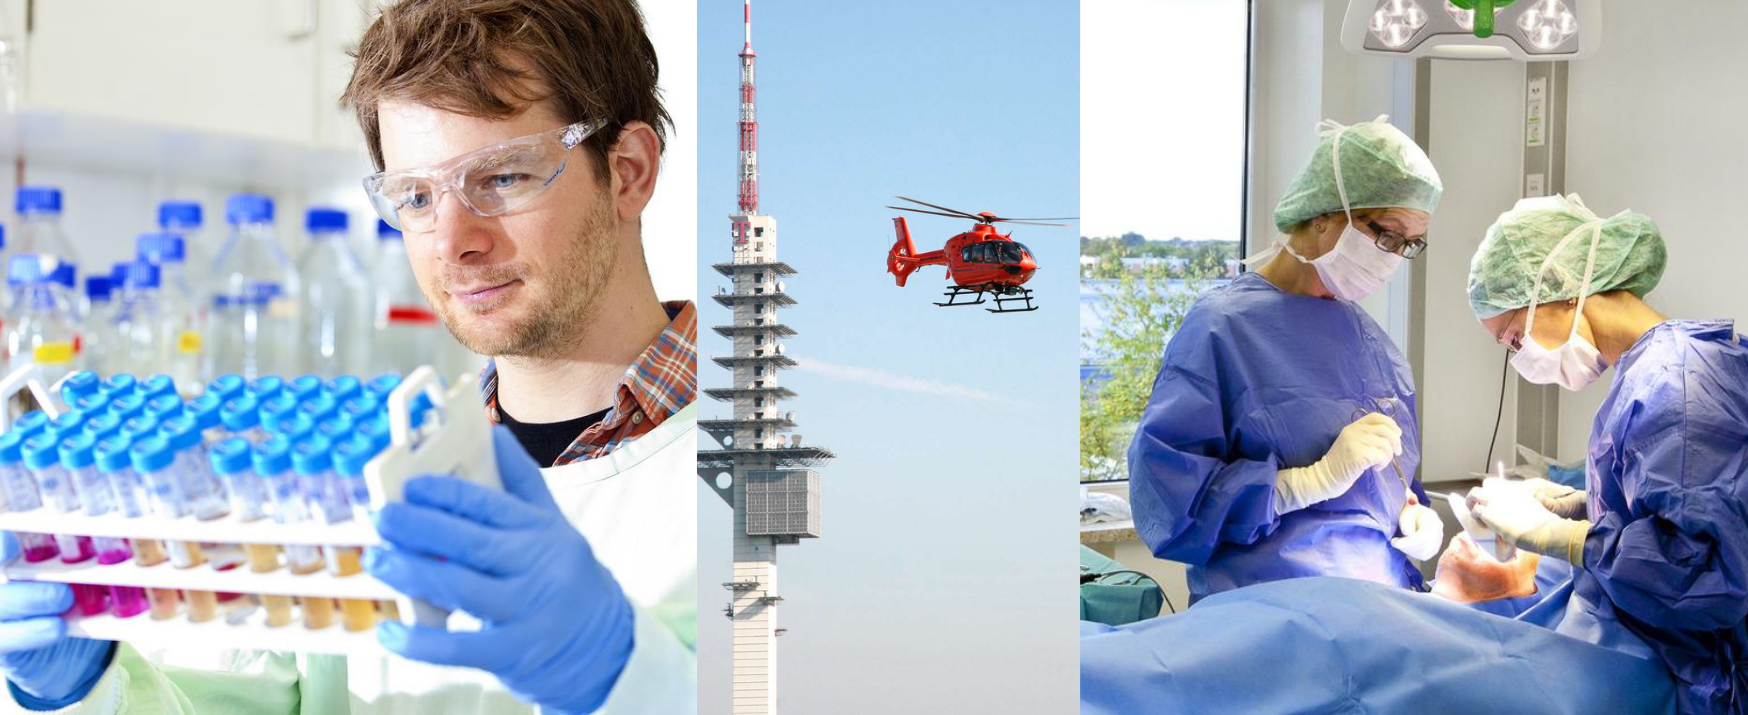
[[1682, 561], [1188, 489]]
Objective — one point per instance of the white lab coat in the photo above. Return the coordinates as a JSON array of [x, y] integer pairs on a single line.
[[638, 508]]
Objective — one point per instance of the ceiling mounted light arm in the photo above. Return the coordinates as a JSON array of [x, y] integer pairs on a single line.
[[1527, 30]]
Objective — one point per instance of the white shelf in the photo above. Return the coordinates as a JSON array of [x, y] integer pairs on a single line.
[[203, 578], [111, 144], [252, 633], [223, 530]]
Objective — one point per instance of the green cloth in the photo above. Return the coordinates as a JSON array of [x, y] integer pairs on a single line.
[[1630, 255], [1380, 168], [1119, 598]]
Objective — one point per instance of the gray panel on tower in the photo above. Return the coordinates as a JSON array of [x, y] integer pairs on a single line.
[[783, 502]]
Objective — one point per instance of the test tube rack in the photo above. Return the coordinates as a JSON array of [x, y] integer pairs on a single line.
[[457, 440]]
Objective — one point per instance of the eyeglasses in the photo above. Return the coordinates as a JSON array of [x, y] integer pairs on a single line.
[[1393, 242], [490, 181]]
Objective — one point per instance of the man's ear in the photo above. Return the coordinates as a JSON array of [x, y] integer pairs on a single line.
[[634, 162]]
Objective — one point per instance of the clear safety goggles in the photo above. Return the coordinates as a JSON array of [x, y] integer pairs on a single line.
[[490, 181]]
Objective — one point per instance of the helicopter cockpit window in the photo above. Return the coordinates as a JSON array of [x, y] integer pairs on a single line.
[[972, 253], [1009, 252]]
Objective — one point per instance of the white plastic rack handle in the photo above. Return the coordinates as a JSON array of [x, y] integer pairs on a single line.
[[455, 438], [459, 444]]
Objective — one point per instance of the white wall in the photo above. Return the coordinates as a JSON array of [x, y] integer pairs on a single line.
[[1656, 126], [1476, 126]]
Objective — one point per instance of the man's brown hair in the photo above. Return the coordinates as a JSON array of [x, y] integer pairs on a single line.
[[492, 58]]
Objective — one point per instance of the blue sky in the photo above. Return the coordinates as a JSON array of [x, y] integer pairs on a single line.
[[942, 583]]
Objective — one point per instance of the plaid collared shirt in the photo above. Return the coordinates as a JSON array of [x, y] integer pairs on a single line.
[[660, 382]]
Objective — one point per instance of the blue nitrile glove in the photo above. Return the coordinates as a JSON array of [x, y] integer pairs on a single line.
[[45, 670], [557, 628]]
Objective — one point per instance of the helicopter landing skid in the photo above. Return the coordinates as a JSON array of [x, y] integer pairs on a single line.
[[1003, 296], [1020, 295], [954, 293]]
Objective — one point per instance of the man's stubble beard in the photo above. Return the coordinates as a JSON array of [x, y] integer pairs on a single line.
[[574, 286]]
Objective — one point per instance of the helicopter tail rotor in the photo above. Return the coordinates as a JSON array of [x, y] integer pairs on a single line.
[[901, 260]]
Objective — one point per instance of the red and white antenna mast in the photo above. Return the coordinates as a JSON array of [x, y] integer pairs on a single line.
[[749, 123]]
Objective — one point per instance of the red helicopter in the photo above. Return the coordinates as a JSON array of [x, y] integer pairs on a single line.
[[978, 261]]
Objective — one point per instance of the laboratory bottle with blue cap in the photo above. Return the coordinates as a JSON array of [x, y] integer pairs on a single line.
[[336, 299], [181, 332], [139, 316], [407, 332], [184, 218], [39, 224], [99, 337], [255, 293], [43, 329]]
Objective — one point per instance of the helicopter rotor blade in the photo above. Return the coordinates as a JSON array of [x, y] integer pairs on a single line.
[[1035, 223], [1051, 218], [955, 212], [920, 211]]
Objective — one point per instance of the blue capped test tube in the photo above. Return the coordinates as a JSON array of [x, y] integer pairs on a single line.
[[241, 417], [127, 406], [114, 463], [266, 387], [80, 384], [276, 409], [42, 456], [120, 384], [381, 385], [313, 460], [362, 407], [335, 429], [164, 407], [343, 388], [157, 386], [319, 408], [22, 495], [272, 460], [204, 493], [30, 423], [92, 403], [232, 463], [304, 387], [227, 387], [350, 457], [152, 457], [102, 424], [78, 458]]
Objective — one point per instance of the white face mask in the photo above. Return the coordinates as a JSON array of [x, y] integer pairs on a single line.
[[1576, 363], [1355, 267]]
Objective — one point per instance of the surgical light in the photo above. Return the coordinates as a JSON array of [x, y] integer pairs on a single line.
[[1548, 24], [1395, 22], [1528, 30]]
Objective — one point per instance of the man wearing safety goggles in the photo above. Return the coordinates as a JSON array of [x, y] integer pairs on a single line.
[[518, 144]]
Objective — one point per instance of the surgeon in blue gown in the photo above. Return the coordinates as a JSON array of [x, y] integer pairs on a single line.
[[1280, 440], [1658, 539]]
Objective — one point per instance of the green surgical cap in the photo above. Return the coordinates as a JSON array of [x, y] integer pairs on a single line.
[[1629, 256], [1380, 167]]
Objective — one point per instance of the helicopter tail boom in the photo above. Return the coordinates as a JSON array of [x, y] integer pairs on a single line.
[[902, 260]]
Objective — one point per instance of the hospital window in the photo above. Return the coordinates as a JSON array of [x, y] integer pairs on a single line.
[[759, 371], [1163, 191], [758, 340]]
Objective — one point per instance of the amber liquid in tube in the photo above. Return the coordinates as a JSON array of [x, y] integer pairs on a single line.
[[318, 612], [163, 602]]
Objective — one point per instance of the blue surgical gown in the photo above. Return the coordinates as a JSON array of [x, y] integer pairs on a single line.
[[1254, 380], [1666, 558]]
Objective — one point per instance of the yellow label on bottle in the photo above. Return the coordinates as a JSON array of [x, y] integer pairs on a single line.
[[53, 353], [188, 342]]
